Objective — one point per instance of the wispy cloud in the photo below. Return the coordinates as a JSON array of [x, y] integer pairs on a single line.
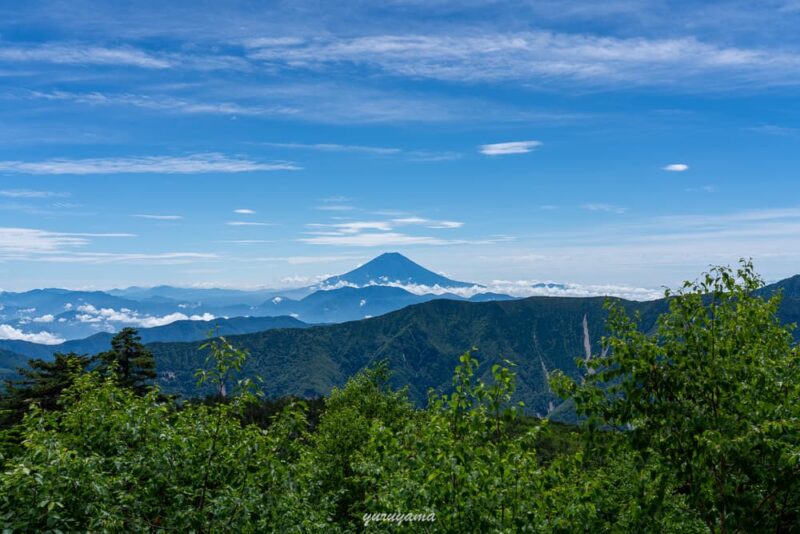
[[702, 189], [29, 240], [77, 54], [337, 199], [29, 244], [248, 241], [383, 233], [244, 211], [541, 57], [513, 147], [133, 258], [676, 167], [30, 193], [773, 129], [159, 217], [248, 223], [211, 162], [608, 208], [353, 227], [371, 239], [333, 147], [335, 207], [413, 155], [162, 103]]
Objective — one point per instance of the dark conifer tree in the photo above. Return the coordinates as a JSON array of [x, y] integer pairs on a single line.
[[42, 383], [136, 366]]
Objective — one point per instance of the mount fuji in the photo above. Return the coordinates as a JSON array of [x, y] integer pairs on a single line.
[[392, 268]]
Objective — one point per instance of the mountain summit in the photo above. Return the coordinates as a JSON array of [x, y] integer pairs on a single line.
[[393, 267]]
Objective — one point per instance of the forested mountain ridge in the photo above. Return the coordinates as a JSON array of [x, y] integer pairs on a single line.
[[421, 344]]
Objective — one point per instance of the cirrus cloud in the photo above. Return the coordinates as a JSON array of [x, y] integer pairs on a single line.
[[513, 147], [212, 162]]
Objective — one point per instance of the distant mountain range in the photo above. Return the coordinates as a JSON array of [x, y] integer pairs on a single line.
[[388, 282], [177, 331], [419, 333]]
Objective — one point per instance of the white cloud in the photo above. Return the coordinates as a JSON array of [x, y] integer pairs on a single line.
[[513, 147], [244, 211], [382, 233], [353, 227], [162, 104], [192, 164], [374, 240], [544, 58], [29, 193], [248, 241], [16, 242], [28, 244], [413, 155], [446, 224], [336, 207], [517, 288], [334, 147], [774, 129], [676, 167], [90, 314], [160, 217], [163, 258], [47, 318], [22, 240], [83, 55], [356, 226], [702, 189], [608, 208], [45, 338], [248, 223], [149, 322], [86, 308]]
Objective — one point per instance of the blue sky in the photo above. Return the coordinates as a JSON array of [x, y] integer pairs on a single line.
[[621, 142]]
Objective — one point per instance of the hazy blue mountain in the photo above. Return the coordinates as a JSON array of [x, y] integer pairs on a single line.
[[72, 315], [9, 362], [54, 301], [486, 297], [393, 267], [176, 331], [789, 286], [353, 303], [209, 296], [350, 303]]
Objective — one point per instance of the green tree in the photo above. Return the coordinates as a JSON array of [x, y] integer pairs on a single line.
[[367, 401], [134, 365], [711, 397], [42, 383], [114, 461]]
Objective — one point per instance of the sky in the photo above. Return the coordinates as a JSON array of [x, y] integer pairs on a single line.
[[269, 144]]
